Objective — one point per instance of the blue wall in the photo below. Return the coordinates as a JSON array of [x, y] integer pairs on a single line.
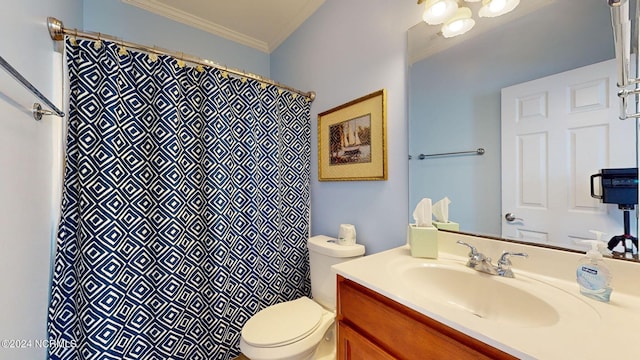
[[455, 101], [348, 49], [29, 169]]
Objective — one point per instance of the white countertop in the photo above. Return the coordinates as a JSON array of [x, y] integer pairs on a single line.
[[583, 329]]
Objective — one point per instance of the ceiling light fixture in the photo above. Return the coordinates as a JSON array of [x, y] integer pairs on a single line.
[[458, 20], [459, 23], [438, 11]]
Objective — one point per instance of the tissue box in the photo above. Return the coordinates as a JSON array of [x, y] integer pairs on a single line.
[[423, 241], [447, 226]]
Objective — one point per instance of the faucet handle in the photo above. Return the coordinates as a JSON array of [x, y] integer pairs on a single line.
[[473, 251], [504, 258], [504, 264], [474, 255]]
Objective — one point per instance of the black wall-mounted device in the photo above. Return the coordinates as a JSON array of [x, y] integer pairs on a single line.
[[619, 186]]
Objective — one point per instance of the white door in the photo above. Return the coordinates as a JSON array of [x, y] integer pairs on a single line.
[[556, 132]]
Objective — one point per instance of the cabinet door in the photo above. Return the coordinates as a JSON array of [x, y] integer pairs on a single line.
[[401, 331], [353, 346]]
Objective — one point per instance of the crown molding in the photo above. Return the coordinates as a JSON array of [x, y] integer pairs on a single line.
[[172, 13], [299, 18]]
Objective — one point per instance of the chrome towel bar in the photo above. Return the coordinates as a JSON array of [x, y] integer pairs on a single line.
[[478, 151], [37, 108]]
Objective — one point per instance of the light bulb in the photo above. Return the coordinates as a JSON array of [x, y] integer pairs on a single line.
[[438, 8], [439, 11], [456, 25], [493, 8], [497, 5], [460, 23]]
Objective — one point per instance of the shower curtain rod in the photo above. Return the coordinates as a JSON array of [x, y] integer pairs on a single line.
[[57, 32]]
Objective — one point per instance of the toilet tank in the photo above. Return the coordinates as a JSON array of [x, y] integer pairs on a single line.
[[323, 253]]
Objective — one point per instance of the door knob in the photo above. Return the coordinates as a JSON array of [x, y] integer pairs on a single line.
[[510, 217]]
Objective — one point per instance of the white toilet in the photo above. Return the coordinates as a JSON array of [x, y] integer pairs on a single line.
[[303, 328]]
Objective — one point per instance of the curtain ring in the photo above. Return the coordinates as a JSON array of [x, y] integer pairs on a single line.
[[181, 60], [153, 57], [73, 40], [98, 44], [123, 50]]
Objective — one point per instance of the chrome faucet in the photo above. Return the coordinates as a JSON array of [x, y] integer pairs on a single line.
[[504, 264], [480, 262]]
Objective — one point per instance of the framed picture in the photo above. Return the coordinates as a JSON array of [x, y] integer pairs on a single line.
[[352, 140]]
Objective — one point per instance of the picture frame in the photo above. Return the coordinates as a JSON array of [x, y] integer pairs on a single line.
[[352, 140]]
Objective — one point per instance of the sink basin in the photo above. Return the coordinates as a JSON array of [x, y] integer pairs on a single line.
[[536, 315], [481, 295]]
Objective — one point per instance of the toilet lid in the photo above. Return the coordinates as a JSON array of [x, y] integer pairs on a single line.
[[283, 323]]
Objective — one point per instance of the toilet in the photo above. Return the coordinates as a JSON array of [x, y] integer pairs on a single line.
[[303, 328]]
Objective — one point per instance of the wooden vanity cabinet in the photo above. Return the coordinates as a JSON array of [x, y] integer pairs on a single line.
[[374, 327]]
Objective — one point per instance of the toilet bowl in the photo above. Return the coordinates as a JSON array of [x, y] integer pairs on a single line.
[[289, 331], [301, 329]]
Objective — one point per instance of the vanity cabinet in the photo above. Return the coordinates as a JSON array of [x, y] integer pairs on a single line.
[[372, 327]]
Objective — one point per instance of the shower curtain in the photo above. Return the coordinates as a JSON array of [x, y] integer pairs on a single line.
[[185, 207]]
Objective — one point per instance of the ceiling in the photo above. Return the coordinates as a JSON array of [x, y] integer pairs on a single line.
[[259, 24]]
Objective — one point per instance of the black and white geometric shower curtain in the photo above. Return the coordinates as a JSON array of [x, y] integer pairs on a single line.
[[185, 207]]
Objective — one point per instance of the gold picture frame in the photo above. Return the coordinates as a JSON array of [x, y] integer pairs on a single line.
[[352, 140]]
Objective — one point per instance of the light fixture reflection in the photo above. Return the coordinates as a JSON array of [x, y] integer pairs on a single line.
[[493, 8], [457, 20], [438, 11], [459, 23]]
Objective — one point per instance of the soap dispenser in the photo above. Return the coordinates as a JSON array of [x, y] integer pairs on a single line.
[[592, 274]]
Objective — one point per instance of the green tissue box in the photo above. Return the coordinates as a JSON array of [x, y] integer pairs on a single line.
[[423, 241], [447, 226]]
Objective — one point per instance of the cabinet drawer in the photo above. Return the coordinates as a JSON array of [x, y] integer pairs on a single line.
[[353, 346], [402, 332]]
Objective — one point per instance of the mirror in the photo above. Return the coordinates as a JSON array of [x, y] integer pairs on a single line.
[[455, 102]]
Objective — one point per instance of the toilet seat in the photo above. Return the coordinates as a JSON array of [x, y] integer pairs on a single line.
[[283, 323]]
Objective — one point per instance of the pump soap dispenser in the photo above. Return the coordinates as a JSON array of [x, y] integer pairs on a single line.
[[592, 275]]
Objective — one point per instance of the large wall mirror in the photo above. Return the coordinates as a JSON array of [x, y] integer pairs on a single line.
[[456, 87]]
